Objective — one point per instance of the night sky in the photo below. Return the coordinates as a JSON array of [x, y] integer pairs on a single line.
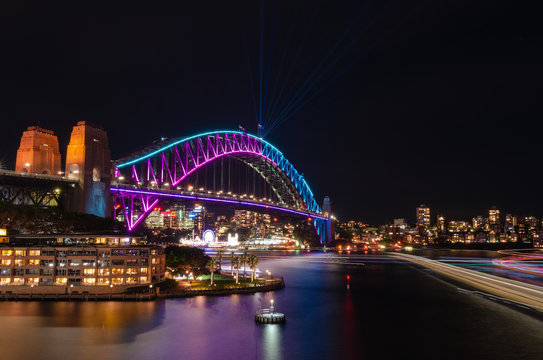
[[435, 102]]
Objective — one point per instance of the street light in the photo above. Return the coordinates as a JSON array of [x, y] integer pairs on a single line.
[[110, 291]]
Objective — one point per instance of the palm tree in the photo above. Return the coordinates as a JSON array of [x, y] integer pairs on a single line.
[[244, 258], [237, 261], [212, 266], [220, 255], [253, 262], [233, 258]]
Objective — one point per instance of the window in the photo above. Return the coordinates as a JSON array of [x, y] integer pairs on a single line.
[[34, 262], [117, 262], [19, 262], [5, 272], [46, 272], [61, 281], [46, 263], [7, 252], [131, 280], [103, 281], [20, 252], [143, 270], [103, 272], [5, 262], [89, 281], [5, 281], [132, 262], [117, 271], [33, 281], [117, 281], [61, 262], [32, 271], [18, 281], [74, 272], [103, 263], [144, 261], [46, 281], [155, 261], [104, 253], [75, 262], [143, 279], [118, 252], [19, 272], [88, 272], [153, 252], [61, 253], [88, 262], [34, 252], [61, 272], [131, 271]]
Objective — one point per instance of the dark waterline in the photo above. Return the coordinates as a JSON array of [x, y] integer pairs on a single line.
[[393, 310]]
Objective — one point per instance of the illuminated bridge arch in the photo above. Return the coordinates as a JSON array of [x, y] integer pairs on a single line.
[[157, 171]]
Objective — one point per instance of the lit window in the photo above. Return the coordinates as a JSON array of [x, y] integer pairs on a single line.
[[18, 281], [131, 280], [117, 281], [117, 271], [103, 272], [89, 281], [7, 252], [143, 270], [34, 253], [143, 279], [32, 281], [5, 262], [33, 262], [61, 281], [131, 271], [5, 281], [20, 252], [88, 272], [103, 281]]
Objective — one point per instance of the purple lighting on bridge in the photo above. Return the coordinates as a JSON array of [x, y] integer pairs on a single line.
[[205, 198]]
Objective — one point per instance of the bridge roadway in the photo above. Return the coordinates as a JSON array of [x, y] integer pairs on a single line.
[[210, 197], [522, 293]]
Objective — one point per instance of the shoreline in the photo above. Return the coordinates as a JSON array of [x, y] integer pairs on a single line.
[[276, 284]]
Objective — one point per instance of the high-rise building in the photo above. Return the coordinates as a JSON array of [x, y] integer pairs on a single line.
[[494, 219], [423, 216], [88, 160], [38, 152], [441, 223]]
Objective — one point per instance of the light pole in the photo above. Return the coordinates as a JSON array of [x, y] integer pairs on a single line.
[[110, 291], [31, 287]]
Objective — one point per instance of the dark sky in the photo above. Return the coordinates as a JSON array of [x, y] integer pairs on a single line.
[[444, 108]]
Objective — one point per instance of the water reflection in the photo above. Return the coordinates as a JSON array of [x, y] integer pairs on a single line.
[[271, 342], [116, 322]]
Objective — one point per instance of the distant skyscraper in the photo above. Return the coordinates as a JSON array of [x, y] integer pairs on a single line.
[[493, 216], [423, 216], [494, 219], [441, 223], [38, 152]]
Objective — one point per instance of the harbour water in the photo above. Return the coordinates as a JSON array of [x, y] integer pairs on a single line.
[[392, 310]]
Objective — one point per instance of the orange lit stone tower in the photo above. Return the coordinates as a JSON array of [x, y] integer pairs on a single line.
[[38, 152], [88, 160]]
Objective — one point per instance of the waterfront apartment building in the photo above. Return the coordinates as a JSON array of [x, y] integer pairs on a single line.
[[95, 264]]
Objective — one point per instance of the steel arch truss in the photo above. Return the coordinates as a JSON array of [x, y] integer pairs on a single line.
[[168, 164]]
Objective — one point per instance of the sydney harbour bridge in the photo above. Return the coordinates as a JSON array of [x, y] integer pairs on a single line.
[[221, 167]]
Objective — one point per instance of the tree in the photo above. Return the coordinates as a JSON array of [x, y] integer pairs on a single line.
[[186, 258], [212, 266], [244, 259], [220, 255], [306, 233], [253, 262], [237, 262], [233, 258]]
